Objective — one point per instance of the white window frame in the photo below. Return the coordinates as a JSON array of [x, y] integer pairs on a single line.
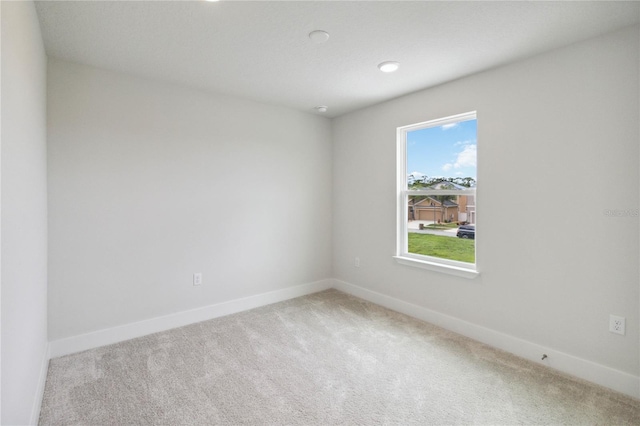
[[453, 267]]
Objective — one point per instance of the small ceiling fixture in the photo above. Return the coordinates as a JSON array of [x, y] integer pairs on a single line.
[[322, 108], [389, 66], [319, 36]]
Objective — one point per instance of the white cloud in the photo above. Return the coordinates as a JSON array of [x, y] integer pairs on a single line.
[[449, 126], [447, 167], [466, 158]]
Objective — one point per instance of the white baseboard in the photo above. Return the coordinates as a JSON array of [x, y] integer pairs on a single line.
[[605, 376], [42, 380], [614, 379], [142, 328]]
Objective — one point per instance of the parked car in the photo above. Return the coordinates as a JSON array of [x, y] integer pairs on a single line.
[[466, 231]]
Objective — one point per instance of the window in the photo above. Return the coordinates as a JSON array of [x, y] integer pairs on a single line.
[[437, 183]]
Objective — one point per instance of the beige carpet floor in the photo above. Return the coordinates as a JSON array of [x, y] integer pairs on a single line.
[[323, 359]]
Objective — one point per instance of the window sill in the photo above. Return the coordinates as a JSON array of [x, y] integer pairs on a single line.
[[438, 267]]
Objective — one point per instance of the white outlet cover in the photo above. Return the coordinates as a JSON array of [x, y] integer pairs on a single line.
[[617, 324], [197, 278]]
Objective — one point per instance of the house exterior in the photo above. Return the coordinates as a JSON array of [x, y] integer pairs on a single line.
[[428, 208], [467, 208], [462, 209]]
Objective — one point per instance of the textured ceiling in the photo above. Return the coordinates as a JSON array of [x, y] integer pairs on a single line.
[[260, 50]]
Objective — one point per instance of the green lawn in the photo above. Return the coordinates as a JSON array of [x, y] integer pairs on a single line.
[[444, 247]]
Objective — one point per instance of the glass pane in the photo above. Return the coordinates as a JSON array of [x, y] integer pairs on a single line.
[[442, 158]]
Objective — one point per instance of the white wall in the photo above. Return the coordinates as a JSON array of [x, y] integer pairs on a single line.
[[24, 214], [150, 182], [557, 145]]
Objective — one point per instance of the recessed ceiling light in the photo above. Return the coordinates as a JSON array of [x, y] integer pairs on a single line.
[[322, 108], [389, 66], [319, 36]]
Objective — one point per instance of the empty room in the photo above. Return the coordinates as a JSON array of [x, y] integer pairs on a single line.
[[320, 212]]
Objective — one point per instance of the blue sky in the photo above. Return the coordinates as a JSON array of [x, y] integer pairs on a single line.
[[443, 151]]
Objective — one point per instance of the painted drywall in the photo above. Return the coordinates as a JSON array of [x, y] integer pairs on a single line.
[[24, 214], [557, 150], [151, 182]]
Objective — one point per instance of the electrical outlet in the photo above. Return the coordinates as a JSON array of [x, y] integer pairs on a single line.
[[356, 262], [197, 278], [616, 324]]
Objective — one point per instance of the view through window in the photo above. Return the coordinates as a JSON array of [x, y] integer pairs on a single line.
[[438, 182]]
